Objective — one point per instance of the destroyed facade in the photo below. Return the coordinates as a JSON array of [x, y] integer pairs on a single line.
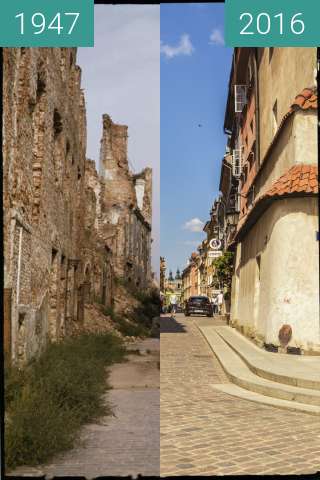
[[68, 231]]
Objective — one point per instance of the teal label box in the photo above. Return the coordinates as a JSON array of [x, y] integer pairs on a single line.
[[47, 23], [272, 23]]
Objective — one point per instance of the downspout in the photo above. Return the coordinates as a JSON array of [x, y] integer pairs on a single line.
[[256, 94]]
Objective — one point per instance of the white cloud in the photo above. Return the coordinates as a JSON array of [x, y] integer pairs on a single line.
[[216, 37], [184, 47], [194, 225]]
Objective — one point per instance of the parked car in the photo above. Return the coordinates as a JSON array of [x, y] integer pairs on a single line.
[[200, 305]]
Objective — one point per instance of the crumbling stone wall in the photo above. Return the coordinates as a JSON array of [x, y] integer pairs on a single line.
[[67, 231], [44, 194], [126, 206]]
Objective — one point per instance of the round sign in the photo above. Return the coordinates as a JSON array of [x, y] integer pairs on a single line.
[[215, 244]]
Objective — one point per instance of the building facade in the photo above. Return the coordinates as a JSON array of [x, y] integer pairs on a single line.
[[272, 123], [190, 278], [62, 246], [127, 200]]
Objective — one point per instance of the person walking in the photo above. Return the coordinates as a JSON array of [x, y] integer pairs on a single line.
[[214, 304], [173, 303], [220, 302]]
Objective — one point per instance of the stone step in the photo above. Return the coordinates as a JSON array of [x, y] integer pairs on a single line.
[[240, 374], [300, 371], [236, 391]]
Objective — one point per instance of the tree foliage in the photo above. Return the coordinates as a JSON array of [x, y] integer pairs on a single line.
[[224, 269]]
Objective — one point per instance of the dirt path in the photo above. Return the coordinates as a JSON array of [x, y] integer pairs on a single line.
[[128, 442]]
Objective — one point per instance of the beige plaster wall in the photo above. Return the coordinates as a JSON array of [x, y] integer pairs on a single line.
[[285, 76], [288, 290], [297, 143]]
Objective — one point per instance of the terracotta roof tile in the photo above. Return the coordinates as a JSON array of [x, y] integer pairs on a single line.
[[313, 183], [289, 183], [298, 178], [305, 100]]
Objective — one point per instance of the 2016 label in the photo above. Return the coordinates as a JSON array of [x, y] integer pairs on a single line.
[[264, 23]]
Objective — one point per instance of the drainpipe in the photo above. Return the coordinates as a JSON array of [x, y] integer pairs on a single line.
[[19, 265], [256, 94]]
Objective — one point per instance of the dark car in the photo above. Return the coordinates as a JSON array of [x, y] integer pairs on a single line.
[[200, 305]]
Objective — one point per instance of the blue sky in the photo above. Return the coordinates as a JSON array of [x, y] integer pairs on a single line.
[[194, 69]]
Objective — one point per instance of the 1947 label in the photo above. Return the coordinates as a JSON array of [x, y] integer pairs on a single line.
[[39, 22]]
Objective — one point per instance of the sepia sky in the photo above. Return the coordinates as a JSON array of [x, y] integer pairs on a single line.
[[121, 77]]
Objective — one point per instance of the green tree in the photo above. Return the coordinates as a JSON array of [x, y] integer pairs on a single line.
[[224, 269]]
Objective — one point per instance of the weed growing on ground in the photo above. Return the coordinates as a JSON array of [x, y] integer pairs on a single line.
[[52, 397], [128, 328]]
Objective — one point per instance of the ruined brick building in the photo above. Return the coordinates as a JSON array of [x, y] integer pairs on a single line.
[[67, 230]]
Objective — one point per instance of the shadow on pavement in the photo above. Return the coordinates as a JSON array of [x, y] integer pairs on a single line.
[[170, 325]]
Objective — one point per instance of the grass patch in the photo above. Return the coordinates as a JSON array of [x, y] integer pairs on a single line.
[[52, 397]]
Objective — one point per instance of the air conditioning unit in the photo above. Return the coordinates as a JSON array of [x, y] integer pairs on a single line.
[[240, 97], [237, 162]]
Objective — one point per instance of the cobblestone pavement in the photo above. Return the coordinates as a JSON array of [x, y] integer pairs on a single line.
[[207, 432], [128, 443]]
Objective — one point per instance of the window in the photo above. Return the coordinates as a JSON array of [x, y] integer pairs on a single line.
[[250, 197], [236, 162], [240, 97], [245, 173]]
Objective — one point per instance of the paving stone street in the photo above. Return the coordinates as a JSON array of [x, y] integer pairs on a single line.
[[207, 432]]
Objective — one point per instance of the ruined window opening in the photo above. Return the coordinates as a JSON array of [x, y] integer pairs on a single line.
[[38, 127], [57, 123], [41, 85], [67, 158], [58, 142], [79, 173], [21, 319], [53, 255], [62, 269]]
